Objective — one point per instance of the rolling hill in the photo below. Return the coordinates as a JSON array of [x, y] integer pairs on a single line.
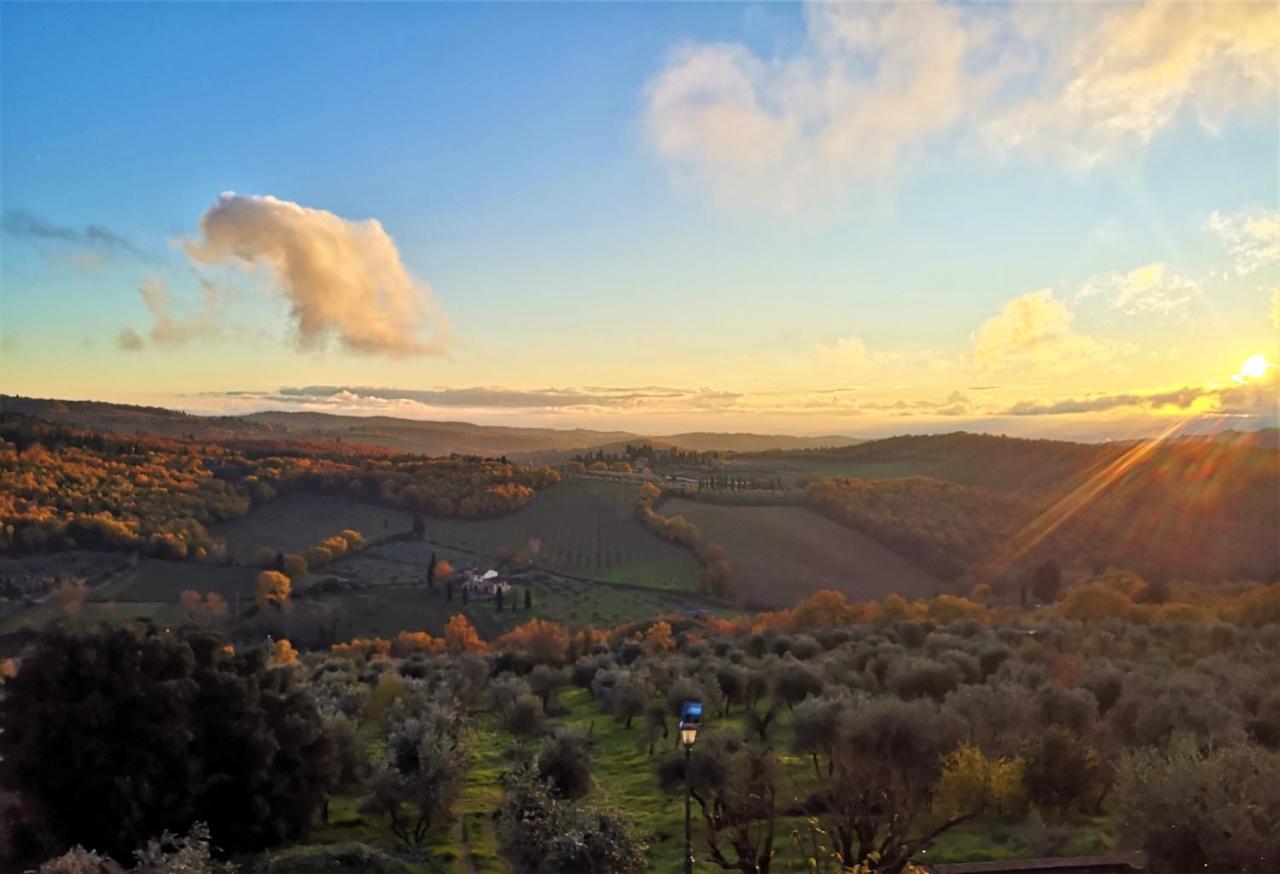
[[544, 445]]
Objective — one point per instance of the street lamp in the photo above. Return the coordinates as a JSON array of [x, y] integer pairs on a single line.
[[690, 721]]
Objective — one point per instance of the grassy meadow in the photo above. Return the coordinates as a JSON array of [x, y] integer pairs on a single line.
[[294, 522], [782, 554]]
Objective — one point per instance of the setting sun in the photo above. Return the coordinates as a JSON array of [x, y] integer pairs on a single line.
[[1254, 367]]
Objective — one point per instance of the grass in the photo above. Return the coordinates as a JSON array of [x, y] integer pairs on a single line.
[[294, 522], [392, 597], [582, 527], [157, 580], [625, 779], [781, 554]]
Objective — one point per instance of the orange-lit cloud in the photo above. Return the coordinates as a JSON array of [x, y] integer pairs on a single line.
[[343, 279]]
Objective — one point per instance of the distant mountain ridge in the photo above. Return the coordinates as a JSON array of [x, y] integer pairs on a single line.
[[402, 435]]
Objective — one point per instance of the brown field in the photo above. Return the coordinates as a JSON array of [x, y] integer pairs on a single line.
[[782, 554]]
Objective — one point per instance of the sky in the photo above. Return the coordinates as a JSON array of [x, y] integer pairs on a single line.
[[861, 219]]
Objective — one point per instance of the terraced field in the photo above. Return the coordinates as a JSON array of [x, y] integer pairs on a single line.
[[782, 554]]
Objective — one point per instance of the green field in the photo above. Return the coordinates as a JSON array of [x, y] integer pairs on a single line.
[[294, 522], [389, 595], [154, 579], [582, 527], [782, 554]]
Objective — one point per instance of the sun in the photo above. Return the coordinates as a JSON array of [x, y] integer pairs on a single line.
[[1254, 367]]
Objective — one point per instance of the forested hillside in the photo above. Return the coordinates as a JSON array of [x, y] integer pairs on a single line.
[[66, 487], [1192, 508]]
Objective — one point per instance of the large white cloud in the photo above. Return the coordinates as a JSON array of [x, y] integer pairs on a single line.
[[1035, 330], [874, 83], [343, 279]]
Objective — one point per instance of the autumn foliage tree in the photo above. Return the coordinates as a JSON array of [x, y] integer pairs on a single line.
[[273, 589], [460, 636], [538, 640]]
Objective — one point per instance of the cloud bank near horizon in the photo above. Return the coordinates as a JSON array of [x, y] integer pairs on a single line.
[[1254, 401]]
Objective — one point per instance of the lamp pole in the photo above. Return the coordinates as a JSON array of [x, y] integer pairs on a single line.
[[688, 812], [690, 720]]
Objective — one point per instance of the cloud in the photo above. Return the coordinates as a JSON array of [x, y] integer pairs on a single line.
[[1153, 288], [1112, 77], [1034, 330], [488, 396], [20, 223], [874, 84], [343, 279], [1275, 307], [1252, 237], [130, 340], [171, 329], [1254, 398], [844, 351]]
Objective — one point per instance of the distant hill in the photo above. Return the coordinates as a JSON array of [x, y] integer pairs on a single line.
[[1190, 507], [545, 445]]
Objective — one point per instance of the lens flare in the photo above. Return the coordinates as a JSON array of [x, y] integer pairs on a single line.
[[1254, 367]]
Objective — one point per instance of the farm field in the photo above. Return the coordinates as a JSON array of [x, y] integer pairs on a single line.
[[387, 595], [155, 579], [294, 522], [582, 527], [782, 554]]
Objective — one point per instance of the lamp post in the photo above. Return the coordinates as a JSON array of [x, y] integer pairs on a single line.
[[690, 721]]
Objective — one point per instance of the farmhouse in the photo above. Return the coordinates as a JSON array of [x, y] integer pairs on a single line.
[[484, 586]]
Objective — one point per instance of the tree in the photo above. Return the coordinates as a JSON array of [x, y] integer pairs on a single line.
[[877, 798], [1213, 812], [497, 599], [629, 697], [545, 681], [421, 773], [204, 609], [735, 786], [122, 733], [564, 762], [460, 636], [528, 599], [816, 725], [1062, 771], [273, 590], [658, 639], [1046, 584], [538, 640], [542, 833]]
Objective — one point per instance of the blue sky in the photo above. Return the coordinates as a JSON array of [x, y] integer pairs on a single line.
[[515, 154]]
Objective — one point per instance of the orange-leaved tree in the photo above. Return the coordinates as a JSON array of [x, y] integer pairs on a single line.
[[460, 636], [542, 641], [273, 589]]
